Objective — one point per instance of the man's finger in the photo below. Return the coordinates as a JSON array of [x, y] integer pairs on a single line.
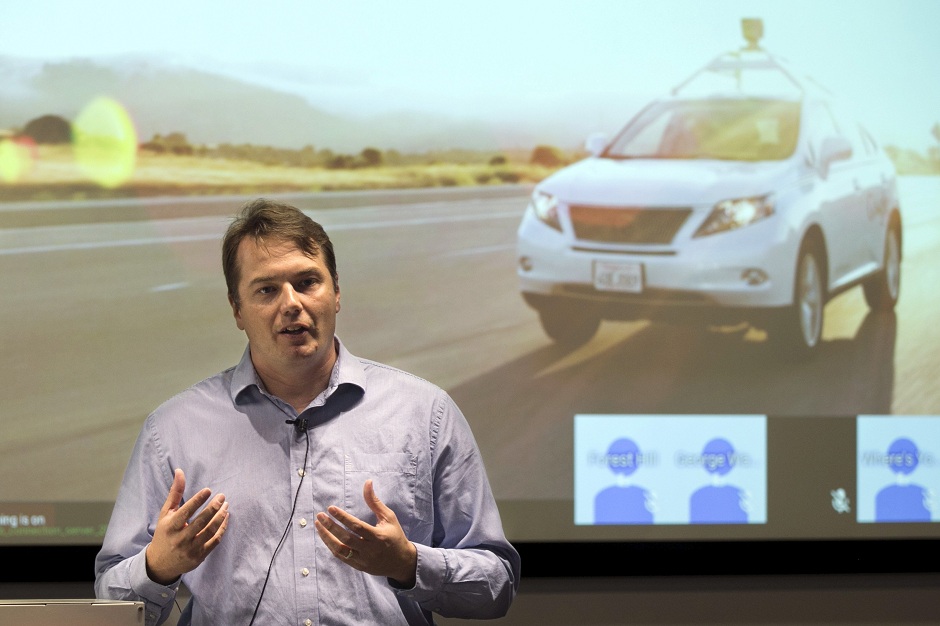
[[326, 532], [181, 518], [378, 507], [215, 529], [327, 529], [205, 517], [175, 496], [349, 525]]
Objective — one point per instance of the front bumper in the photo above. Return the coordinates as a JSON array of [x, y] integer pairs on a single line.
[[739, 271]]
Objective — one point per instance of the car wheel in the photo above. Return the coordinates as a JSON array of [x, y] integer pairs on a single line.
[[569, 325], [799, 329], [882, 289]]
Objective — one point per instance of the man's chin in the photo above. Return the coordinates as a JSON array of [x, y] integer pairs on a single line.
[[303, 350], [311, 348], [303, 347]]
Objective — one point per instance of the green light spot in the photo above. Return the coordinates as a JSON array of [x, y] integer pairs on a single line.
[[15, 161], [105, 142]]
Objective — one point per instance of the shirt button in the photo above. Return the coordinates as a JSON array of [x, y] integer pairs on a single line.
[[303, 522], [305, 571], [307, 622], [300, 472], [165, 595]]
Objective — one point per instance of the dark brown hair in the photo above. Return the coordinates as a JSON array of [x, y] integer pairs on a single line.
[[266, 220]]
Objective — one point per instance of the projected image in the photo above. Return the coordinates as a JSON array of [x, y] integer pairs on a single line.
[[687, 209], [898, 469], [695, 211], [667, 469], [623, 502]]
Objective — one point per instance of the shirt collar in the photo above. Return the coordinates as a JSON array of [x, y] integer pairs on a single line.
[[348, 369]]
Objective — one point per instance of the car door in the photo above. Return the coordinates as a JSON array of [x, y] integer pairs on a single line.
[[879, 198], [840, 197]]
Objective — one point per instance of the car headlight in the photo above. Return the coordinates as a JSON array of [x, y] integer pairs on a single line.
[[545, 206], [731, 214]]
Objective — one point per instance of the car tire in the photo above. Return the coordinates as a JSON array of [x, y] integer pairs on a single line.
[[798, 330], [569, 325], [882, 289]]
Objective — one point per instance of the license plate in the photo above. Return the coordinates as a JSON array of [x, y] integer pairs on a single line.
[[611, 276]]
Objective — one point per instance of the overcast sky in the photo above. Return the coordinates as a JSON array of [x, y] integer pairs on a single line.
[[485, 57]]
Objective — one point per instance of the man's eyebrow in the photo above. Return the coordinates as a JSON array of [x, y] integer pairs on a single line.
[[260, 279], [311, 272]]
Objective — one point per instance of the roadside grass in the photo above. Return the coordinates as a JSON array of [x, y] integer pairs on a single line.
[[52, 173]]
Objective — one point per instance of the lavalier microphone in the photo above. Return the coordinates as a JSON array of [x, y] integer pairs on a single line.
[[300, 424]]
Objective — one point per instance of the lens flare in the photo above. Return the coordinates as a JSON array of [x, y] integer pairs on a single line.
[[15, 160], [105, 142]]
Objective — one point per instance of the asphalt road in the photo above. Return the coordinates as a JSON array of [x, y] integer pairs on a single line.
[[103, 321]]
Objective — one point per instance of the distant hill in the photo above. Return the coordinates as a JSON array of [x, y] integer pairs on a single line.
[[213, 109]]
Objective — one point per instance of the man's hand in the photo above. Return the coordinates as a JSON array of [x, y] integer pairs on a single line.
[[179, 544], [380, 550]]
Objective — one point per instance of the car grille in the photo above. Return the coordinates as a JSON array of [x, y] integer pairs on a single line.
[[627, 224]]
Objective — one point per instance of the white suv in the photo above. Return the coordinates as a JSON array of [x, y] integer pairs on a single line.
[[746, 196]]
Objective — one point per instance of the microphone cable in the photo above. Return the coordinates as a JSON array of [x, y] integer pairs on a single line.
[[298, 423]]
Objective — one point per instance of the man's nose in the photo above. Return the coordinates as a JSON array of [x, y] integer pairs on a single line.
[[289, 300]]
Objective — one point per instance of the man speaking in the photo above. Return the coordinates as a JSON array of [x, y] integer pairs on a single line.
[[305, 485]]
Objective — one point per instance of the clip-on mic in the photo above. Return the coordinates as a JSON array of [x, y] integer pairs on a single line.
[[300, 424]]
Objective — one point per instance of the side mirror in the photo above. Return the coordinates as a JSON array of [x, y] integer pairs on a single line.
[[834, 148], [596, 143]]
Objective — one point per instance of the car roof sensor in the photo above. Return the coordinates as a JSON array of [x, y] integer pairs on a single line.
[[750, 59]]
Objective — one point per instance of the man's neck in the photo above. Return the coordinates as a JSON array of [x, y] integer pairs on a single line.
[[298, 386]]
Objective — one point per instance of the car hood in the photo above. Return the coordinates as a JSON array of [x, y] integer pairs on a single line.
[[659, 182]]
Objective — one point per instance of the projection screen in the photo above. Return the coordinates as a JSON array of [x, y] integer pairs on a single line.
[[532, 209]]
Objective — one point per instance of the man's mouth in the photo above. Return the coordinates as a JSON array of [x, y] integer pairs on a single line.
[[294, 329]]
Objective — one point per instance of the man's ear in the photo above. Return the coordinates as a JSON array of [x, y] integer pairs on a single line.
[[337, 295], [236, 313]]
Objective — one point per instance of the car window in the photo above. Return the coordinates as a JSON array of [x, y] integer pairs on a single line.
[[820, 125], [727, 129], [871, 147], [870, 142]]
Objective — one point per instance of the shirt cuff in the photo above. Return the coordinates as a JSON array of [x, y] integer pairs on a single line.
[[151, 592], [429, 576]]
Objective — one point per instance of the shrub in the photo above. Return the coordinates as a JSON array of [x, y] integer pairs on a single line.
[[371, 157], [49, 129], [341, 162], [547, 156]]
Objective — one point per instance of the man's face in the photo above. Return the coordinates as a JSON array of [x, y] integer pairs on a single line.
[[287, 308]]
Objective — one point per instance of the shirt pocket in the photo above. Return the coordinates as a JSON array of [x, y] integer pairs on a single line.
[[394, 479]]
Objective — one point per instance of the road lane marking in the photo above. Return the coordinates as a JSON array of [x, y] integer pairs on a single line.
[[171, 239], [481, 250], [95, 245], [422, 221], [169, 287]]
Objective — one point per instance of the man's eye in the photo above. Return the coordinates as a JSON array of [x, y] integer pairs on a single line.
[[307, 283], [266, 290]]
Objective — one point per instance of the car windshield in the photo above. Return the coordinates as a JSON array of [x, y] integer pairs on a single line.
[[727, 129]]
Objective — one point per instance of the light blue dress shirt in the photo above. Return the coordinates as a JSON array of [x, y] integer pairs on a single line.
[[373, 421]]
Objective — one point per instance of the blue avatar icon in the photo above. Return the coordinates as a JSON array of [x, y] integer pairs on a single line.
[[624, 503], [718, 503], [903, 501]]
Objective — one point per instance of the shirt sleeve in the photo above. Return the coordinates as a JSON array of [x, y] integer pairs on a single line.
[[470, 570], [120, 567]]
